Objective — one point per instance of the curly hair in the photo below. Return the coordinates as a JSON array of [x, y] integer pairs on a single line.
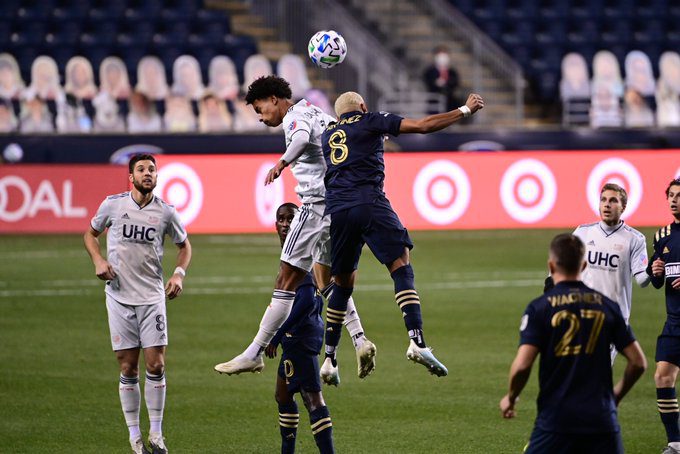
[[267, 86], [140, 157]]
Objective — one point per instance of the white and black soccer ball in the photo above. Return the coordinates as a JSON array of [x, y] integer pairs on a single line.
[[327, 48]]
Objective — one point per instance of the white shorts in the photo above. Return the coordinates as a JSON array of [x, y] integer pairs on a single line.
[[309, 238], [136, 326]]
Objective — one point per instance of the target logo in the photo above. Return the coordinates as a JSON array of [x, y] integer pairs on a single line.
[[617, 171], [267, 198], [441, 192], [180, 185], [528, 191]]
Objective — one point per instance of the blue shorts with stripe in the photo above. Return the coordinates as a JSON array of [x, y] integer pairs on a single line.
[[668, 344], [299, 367], [375, 224]]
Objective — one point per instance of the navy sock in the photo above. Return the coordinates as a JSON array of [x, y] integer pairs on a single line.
[[335, 315], [288, 423], [667, 402], [322, 428], [409, 303]]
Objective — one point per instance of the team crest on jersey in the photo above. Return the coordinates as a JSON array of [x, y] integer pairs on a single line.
[[153, 220], [293, 125], [618, 247]]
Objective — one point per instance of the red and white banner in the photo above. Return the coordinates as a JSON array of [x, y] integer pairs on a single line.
[[55, 198], [226, 194]]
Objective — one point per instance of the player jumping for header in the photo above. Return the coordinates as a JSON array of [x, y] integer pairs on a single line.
[[360, 212], [308, 245]]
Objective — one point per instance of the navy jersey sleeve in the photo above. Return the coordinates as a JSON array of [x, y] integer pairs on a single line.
[[623, 334], [302, 305], [530, 329], [384, 123], [657, 281]]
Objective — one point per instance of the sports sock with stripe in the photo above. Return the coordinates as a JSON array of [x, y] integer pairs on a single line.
[[322, 429], [408, 301], [667, 403], [130, 400], [154, 396], [289, 418]]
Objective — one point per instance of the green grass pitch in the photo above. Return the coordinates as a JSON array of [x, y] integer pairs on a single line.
[[59, 378]]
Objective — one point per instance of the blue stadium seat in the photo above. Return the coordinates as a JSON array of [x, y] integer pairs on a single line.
[[554, 9]]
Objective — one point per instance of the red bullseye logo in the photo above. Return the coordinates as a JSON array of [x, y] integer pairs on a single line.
[[617, 171], [267, 198], [528, 191], [180, 185], [441, 192]]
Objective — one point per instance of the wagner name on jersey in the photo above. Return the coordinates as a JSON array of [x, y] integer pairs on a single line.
[[310, 168], [613, 255], [137, 234]]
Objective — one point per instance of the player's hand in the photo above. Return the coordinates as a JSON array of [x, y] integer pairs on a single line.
[[507, 407], [474, 102], [270, 351], [274, 172], [174, 286], [658, 267], [104, 270], [676, 284]]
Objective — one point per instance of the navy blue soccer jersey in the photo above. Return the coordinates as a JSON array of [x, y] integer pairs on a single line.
[[304, 326], [353, 150], [667, 247], [573, 327]]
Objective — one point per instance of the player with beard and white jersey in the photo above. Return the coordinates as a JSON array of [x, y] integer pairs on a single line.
[[137, 222], [307, 247], [615, 252]]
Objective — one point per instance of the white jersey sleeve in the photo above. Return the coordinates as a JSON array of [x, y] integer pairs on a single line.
[[639, 259], [309, 169], [175, 228], [102, 218]]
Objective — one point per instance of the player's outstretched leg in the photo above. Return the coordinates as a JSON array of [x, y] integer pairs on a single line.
[[289, 418], [365, 349], [409, 303], [251, 359], [335, 316]]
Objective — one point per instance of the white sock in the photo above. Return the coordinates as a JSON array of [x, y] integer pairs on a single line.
[[277, 312], [154, 395], [130, 397], [353, 324], [675, 445]]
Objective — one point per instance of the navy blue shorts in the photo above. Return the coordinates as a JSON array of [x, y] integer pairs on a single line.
[[300, 369], [668, 344], [375, 224], [557, 443]]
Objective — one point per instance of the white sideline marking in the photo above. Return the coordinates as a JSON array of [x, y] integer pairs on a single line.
[[387, 286]]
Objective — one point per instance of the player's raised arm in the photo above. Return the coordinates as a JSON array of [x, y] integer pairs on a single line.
[[440, 121]]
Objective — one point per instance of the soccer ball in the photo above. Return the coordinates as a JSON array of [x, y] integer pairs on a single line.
[[327, 48]]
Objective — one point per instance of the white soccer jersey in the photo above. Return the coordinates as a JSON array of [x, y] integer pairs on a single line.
[[134, 246], [310, 168], [612, 260]]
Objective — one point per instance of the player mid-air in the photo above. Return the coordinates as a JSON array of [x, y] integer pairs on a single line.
[[301, 339], [361, 214], [572, 326], [615, 252], [137, 222], [664, 269], [307, 248]]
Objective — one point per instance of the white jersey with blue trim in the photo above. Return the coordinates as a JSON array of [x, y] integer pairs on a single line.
[[614, 255], [310, 168], [134, 246]]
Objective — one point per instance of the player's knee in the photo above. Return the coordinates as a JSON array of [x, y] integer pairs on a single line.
[[283, 398], [156, 367], [312, 401], [129, 369], [664, 380], [289, 277]]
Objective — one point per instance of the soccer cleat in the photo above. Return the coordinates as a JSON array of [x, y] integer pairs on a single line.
[[138, 446], [157, 443], [425, 357], [670, 450], [366, 359], [329, 373], [241, 364]]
